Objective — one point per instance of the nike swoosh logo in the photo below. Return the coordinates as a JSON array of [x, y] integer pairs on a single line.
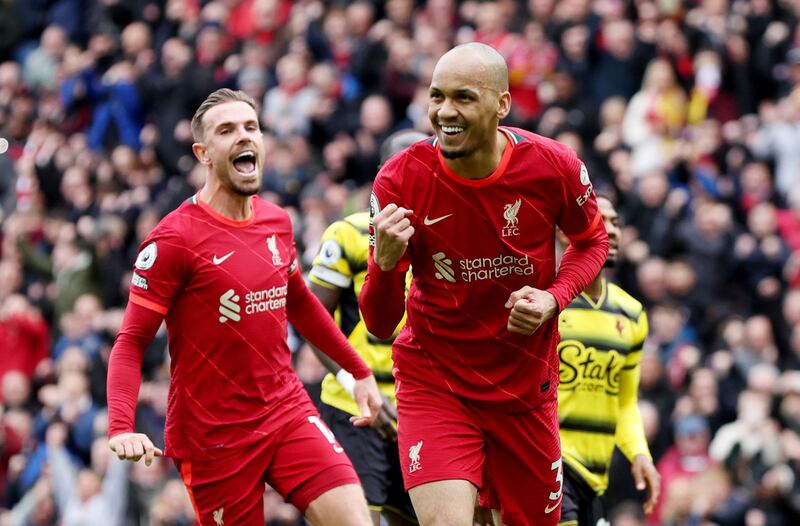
[[549, 509], [217, 260], [429, 222]]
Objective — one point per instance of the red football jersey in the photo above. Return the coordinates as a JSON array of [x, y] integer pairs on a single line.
[[476, 242], [222, 285]]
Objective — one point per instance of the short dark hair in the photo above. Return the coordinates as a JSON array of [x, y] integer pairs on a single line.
[[218, 97]]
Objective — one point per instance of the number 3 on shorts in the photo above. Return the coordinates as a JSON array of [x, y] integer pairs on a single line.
[[555, 496], [328, 434]]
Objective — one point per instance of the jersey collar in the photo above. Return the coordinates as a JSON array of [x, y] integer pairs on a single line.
[[596, 305], [223, 219], [498, 172]]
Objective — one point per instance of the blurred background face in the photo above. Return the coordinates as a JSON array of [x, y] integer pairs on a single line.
[[10, 278], [762, 220], [659, 76], [651, 278], [15, 388], [376, 114], [692, 443], [88, 484]]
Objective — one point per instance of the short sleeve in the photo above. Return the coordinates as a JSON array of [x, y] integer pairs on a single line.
[[160, 271], [331, 267], [579, 214]]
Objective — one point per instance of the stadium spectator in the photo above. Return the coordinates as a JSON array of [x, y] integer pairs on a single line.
[[683, 462]]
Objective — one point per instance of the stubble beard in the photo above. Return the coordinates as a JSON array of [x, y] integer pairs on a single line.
[[455, 154], [245, 192], [229, 182]]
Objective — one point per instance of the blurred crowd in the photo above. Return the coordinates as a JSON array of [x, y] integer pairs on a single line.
[[686, 112]]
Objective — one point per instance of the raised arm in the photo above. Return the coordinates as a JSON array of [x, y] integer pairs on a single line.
[[382, 300]]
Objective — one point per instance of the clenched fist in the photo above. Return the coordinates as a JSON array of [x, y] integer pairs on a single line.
[[530, 308]]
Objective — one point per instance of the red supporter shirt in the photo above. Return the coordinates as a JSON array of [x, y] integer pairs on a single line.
[[476, 242], [222, 285]]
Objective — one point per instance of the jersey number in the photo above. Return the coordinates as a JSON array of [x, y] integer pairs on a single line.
[[328, 434], [555, 496]]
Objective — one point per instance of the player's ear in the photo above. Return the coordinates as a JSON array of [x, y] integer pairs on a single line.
[[201, 152], [503, 105]]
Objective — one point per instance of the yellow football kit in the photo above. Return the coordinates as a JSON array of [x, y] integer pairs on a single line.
[[600, 350], [342, 263]]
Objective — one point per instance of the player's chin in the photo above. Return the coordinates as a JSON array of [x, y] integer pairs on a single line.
[[453, 153], [247, 186], [247, 190]]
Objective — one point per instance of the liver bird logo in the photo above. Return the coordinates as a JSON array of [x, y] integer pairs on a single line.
[[510, 213], [272, 245], [413, 454], [218, 517]]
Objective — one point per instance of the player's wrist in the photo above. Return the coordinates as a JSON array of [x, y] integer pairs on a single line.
[[557, 307], [554, 304], [386, 264], [347, 381]]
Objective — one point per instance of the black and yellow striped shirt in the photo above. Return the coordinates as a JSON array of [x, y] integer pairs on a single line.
[[600, 350], [342, 263]]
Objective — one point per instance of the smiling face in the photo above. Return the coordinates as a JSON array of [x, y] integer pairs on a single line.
[[232, 146], [468, 97]]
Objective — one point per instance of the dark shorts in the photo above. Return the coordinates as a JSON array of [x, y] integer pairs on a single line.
[[580, 506], [301, 460], [376, 461]]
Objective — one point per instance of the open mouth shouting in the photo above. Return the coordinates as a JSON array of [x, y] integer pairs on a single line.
[[245, 163]]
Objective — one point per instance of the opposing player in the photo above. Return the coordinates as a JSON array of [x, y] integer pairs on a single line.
[[221, 269], [602, 334], [337, 277], [474, 212]]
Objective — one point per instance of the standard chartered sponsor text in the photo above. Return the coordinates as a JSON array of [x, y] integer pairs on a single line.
[[265, 300], [478, 269]]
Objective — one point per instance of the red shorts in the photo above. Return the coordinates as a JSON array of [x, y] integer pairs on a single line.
[[301, 460], [513, 458]]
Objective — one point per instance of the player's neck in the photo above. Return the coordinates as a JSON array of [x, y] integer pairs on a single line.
[[229, 204], [483, 161], [595, 289]]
